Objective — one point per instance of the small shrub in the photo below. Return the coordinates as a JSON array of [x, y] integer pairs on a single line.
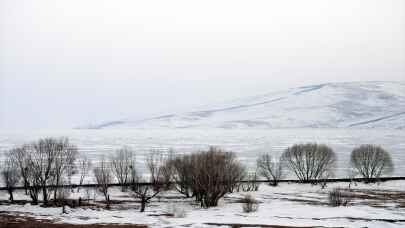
[[250, 184], [337, 197], [249, 204]]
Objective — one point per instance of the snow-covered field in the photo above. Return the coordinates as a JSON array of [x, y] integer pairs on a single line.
[[248, 144], [288, 204]]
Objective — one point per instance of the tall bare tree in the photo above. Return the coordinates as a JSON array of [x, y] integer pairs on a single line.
[[145, 192], [168, 170], [121, 162], [43, 156], [104, 177], [270, 169], [309, 161], [64, 163], [11, 175], [371, 161], [215, 173], [44, 162], [21, 157], [34, 182], [84, 165], [182, 174]]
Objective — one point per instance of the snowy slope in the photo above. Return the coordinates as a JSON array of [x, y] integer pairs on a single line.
[[331, 105]]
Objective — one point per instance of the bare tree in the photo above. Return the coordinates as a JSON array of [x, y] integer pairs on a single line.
[[84, 165], [371, 161], [121, 163], [215, 173], [34, 186], [182, 176], [45, 166], [270, 169], [309, 161], [147, 191], [11, 176], [103, 176], [21, 157], [28, 172], [43, 155], [64, 164], [168, 170]]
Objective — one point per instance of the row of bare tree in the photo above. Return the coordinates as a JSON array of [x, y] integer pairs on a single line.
[[311, 162], [43, 166], [207, 176]]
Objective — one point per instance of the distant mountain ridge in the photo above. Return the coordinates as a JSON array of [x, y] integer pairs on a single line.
[[329, 105]]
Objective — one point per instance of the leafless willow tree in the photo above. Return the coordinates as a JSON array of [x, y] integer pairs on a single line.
[[270, 169], [104, 177], [182, 174], [144, 191], [84, 165], [168, 170], [371, 161], [214, 174], [121, 162], [20, 156], [309, 161], [11, 175], [34, 186], [64, 164], [48, 159], [207, 175]]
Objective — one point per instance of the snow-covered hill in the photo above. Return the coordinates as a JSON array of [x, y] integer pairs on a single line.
[[331, 105]]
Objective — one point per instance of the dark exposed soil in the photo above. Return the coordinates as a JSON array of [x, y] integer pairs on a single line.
[[258, 225], [12, 221]]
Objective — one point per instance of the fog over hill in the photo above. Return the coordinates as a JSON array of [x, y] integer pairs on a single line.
[[329, 105]]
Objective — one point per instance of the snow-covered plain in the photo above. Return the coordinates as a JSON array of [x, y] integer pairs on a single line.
[[287, 204], [247, 143]]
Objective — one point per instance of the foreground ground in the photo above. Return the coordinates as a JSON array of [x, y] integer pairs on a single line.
[[289, 205]]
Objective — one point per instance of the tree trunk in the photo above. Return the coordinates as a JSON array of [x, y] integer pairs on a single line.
[[34, 197], [45, 195], [143, 205], [108, 201], [10, 192], [55, 192], [26, 187], [34, 201]]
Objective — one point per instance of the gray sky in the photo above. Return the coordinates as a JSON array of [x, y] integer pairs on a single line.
[[73, 62]]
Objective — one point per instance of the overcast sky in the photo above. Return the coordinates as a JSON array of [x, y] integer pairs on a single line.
[[73, 62]]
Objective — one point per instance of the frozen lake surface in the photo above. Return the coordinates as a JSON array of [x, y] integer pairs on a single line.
[[248, 144]]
